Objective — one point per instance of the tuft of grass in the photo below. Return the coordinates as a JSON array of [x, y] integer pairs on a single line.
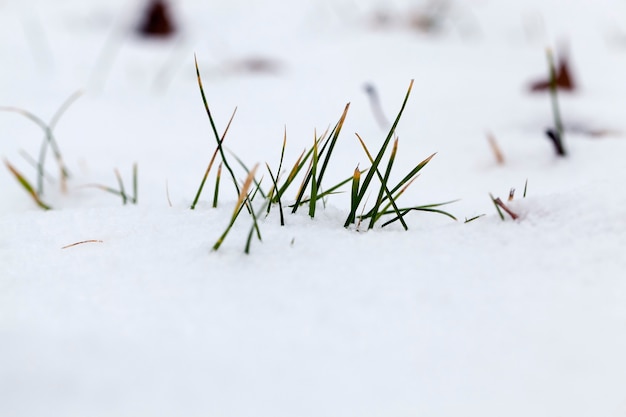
[[27, 186], [326, 152], [500, 206], [386, 195], [121, 190], [375, 163], [373, 213], [49, 140]]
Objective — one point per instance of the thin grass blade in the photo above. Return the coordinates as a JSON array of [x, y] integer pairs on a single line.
[[378, 159], [208, 170], [217, 137], [383, 187], [27, 186]]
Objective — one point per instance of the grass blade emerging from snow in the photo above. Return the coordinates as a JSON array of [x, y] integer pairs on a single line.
[[121, 184], [26, 185], [217, 137], [374, 168], [216, 192], [50, 140], [313, 198], [383, 187], [208, 170], [280, 204], [241, 202]]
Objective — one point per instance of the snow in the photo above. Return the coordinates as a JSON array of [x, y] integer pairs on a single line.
[[486, 318]]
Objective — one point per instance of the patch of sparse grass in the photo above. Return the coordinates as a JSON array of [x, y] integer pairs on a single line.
[[121, 190], [49, 140], [385, 194], [317, 160]]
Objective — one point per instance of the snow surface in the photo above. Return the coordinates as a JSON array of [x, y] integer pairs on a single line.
[[488, 318]]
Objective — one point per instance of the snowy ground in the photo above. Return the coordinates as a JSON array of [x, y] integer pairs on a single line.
[[488, 318]]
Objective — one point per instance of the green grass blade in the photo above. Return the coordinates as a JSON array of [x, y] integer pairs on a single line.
[[280, 204], [27, 186], [216, 193], [495, 204], [377, 160], [313, 198], [332, 144], [121, 185], [356, 179], [255, 227], [295, 170], [208, 169], [525, 187], [308, 176], [217, 137], [135, 183], [49, 140], [471, 219], [413, 173], [420, 208], [241, 202], [383, 187]]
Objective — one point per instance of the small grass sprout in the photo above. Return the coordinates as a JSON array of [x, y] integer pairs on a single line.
[[27, 186], [500, 207], [121, 190], [49, 140]]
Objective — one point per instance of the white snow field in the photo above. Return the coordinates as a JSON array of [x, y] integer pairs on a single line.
[[487, 318]]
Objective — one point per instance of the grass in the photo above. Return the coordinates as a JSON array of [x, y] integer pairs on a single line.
[[385, 209], [49, 141], [26, 185], [121, 190], [312, 165]]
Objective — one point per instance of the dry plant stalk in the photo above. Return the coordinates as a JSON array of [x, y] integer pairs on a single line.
[[495, 148]]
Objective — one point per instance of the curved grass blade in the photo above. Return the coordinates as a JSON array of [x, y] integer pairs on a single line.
[[217, 137], [27, 186], [427, 208], [208, 170]]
